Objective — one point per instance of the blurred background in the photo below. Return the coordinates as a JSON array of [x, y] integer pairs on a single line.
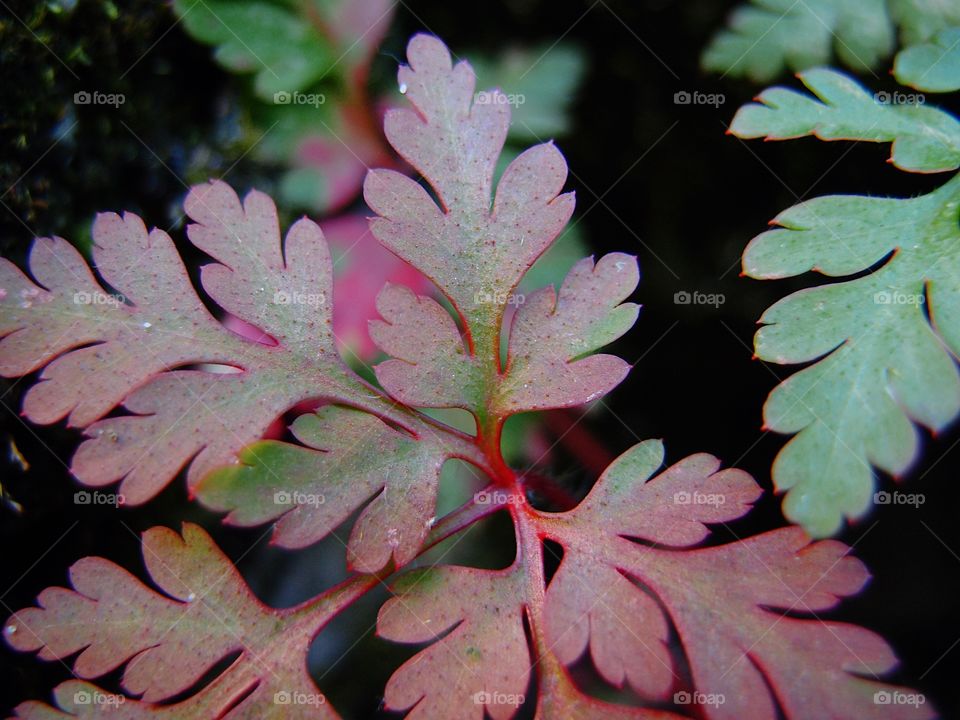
[[654, 176]]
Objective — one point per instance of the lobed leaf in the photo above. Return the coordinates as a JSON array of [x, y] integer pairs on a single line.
[[765, 37], [933, 66], [350, 457], [288, 48], [742, 649], [924, 139], [101, 350], [920, 20], [477, 250], [884, 343], [756, 647], [549, 362], [483, 661], [168, 641]]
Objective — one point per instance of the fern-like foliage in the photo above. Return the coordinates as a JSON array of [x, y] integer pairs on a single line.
[[766, 37], [745, 614], [885, 343]]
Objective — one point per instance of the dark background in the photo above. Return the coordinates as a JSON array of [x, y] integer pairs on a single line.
[[687, 209]]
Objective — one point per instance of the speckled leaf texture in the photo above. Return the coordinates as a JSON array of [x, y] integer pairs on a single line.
[[766, 37], [475, 244], [755, 646], [134, 344], [168, 641], [883, 345], [693, 630]]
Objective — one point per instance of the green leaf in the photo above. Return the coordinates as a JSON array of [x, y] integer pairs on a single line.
[[283, 51], [933, 66], [542, 83], [920, 20], [880, 362], [768, 36], [924, 139]]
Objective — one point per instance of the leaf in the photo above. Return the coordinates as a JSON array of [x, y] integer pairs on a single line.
[[287, 48], [755, 646], [349, 457], [549, 362], [880, 361], [720, 623], [168, 641], [462, 244], [920, 20], [476, 252], [924, 139], [484, 659], [541, 82], [767, 36], [104, 349], [932, 66]]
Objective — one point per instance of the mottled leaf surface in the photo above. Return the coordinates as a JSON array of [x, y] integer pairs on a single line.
[[347, 458]]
